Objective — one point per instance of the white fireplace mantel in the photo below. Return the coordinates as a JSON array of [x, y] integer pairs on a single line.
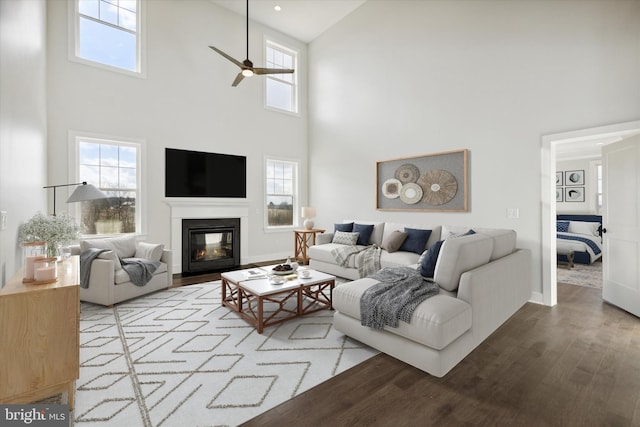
[[195, 208]]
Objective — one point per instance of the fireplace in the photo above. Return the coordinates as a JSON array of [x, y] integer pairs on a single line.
[[210, 244]]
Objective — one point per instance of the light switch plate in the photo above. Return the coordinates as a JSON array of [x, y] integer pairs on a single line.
[[3, 220], [513, 213]]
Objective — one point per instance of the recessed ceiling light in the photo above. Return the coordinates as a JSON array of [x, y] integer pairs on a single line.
[[277, 8]]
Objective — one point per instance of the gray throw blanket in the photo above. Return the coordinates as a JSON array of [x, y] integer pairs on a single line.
[[368, 257], [86, 258], [400, 291], [140, 270]]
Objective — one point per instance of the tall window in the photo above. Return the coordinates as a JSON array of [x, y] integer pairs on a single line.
[[281, 193], [107, 32], [114, 168], [599, 188], [281, 90]]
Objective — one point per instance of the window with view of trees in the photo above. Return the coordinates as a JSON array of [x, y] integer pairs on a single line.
[[113, 167], [281, 193]]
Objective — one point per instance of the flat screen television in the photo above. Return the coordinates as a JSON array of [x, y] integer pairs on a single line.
[[200, 174]]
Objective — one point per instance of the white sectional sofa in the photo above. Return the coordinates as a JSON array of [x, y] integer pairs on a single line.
[[483, 278]]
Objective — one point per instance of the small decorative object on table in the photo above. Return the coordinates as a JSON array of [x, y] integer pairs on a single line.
[[54, 230], [32, 251], [45, 270]]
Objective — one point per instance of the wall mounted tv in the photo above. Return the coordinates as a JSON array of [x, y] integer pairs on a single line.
[[200, 174]]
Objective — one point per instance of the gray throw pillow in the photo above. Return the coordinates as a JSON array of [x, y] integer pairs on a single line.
[[345, 238], [394, 240]]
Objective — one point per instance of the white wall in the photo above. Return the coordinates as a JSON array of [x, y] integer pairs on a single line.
[[397, 79], [186, 101], [23, 131]]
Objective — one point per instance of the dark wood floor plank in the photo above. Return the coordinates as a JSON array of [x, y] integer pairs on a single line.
[[575, 364]]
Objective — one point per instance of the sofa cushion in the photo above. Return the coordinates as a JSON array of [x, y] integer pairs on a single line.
[[323, 253], [345, 238], [376, 234], [393, 241], [149, 251], [429, 258], [459, 255], [364, 231], [436, 322], [390, 227], [397, 259], [347, 226], [103, 244], [416, 240]]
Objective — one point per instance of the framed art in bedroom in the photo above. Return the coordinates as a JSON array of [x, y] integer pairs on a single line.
[[574, 194], [574, 177], [431, 182]]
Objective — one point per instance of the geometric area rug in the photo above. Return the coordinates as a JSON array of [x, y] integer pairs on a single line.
[[178, 358]]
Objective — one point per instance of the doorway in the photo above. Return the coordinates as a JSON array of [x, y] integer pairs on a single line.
[[609, 133]]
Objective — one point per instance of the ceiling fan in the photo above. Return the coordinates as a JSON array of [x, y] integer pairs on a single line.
[[246, 67]]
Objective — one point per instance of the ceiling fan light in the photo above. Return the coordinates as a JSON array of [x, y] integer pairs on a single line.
[[247, 73]]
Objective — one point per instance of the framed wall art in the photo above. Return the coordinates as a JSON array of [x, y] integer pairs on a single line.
[[574, 177], [574, 194], [559, 194], [431, 182], [559, 180]]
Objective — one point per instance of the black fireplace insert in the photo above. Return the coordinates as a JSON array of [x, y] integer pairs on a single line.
[[210, 244]]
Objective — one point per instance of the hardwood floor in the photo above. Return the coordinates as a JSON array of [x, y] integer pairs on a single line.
[[575, 364]]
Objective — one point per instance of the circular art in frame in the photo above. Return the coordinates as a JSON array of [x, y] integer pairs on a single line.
[[391, 188], [411, 193], [439, 186], [407, 173]]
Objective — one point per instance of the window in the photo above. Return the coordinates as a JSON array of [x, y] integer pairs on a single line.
[[113, 167], [281, 90], [107, 32], [599, 188], [281, 193]]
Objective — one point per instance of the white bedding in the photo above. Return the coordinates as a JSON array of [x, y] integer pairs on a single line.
[[577, 246]]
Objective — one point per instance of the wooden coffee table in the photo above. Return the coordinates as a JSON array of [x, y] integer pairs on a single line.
[[294, 298]]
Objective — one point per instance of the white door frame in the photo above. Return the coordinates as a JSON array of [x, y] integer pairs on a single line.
[[549, 294]]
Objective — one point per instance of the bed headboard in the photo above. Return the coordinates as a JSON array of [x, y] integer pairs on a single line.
[[581, 217]]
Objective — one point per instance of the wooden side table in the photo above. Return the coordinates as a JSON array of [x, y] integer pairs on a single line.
[[302, 238]]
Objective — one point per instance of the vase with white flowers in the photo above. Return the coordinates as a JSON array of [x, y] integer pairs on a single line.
[[55, 230]]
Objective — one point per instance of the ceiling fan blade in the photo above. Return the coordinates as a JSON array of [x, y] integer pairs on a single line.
[[238, 79], [272, 71], [235, 61]]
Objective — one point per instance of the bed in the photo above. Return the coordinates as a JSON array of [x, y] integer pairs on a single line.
[[581, 234]]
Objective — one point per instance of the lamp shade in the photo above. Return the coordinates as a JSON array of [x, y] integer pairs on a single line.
[[86, 192], [308, 212]]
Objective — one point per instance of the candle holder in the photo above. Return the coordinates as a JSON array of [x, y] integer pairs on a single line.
[[45, 270], [32, 251]]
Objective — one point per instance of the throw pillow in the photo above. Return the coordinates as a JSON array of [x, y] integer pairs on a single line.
[[365, 231], [416, 240], [562, 226], [345, 238], [348, 227], [393, 241], [429, 260], [583, 227], [102, 244], [149, 251]]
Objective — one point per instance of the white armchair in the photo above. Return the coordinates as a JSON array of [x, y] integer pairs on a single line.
[[109, 283]]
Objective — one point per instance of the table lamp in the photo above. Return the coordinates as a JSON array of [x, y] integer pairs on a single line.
[[308, 213]]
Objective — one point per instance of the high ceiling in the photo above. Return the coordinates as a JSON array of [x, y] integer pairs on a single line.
[[303, 20]]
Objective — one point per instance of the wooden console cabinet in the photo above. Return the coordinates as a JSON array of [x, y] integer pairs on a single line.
[[40, 336]]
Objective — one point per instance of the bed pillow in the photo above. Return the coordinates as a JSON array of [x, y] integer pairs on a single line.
[[583, 227], [394, 240], [345, 238], [416, 240], [364, 231], [348, 227], [562, 226]]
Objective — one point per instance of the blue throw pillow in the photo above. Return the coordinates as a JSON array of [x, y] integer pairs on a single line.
[[365, 233], [562, 226], [416, 240], [428, 261], [347, 227]]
